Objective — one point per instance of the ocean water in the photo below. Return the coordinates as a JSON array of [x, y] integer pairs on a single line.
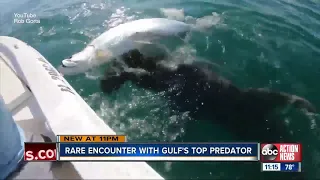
[[256, 43]]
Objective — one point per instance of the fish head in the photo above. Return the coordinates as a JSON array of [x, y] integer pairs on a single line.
[[78, 63]]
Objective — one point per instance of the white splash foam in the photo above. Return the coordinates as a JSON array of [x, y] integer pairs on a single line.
[[287, 121], [207, 43], [200, 23], [74, 17], [184, 54], [204, 22], [208, 21], [173, 13], [92, 75], [98, 6], [41, 30], [83, 11], [167, 166], [121, 115], [118, 17], [313, 117]]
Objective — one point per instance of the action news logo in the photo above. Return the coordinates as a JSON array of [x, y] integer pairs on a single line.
[[269, 152], [281, 152]]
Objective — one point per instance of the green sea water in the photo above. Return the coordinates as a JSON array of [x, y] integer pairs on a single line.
[[257, 43]]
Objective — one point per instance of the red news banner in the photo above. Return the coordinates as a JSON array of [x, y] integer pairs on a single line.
[[40, 152], [281, 152]]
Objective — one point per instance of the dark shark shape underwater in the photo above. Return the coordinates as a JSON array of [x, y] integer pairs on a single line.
[[206, 95]]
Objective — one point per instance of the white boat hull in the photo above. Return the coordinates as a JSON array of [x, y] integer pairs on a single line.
[[43, 102]]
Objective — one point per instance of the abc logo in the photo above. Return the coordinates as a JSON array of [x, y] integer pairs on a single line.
[[269, 152]]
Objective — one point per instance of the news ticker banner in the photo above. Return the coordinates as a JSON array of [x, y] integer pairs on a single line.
[[158, 152], [115, 148]]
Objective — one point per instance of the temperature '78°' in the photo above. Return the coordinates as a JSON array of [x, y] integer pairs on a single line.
[[289, 166]]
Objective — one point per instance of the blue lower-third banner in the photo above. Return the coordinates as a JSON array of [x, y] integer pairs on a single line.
[[158, 152]]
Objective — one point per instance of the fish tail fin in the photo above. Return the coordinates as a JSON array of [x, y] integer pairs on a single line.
[[205, 23]]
